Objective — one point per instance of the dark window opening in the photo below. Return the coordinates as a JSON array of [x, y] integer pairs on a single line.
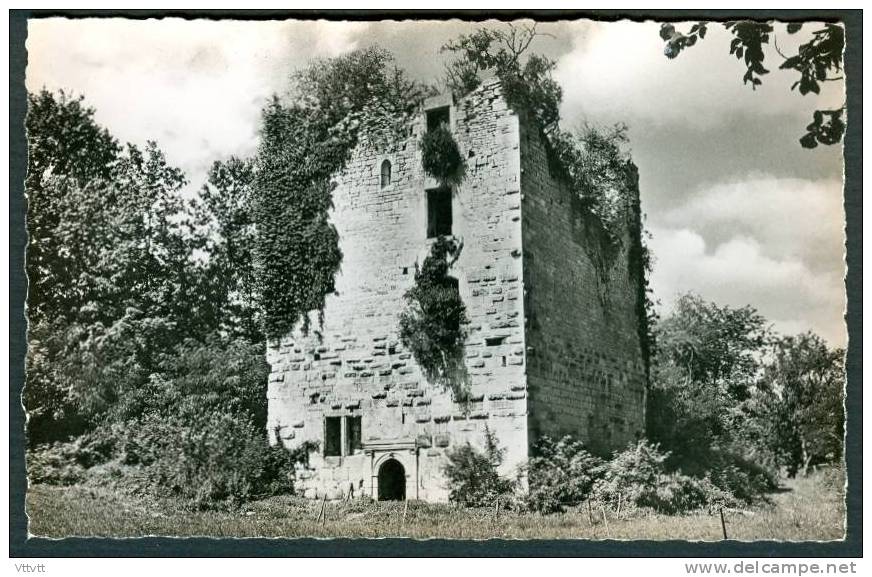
[[332, 436], [354, 434], [316, 357], [437, 117], [438, 212], [385, 173], [504, 361], [405, 270], [494, 341]]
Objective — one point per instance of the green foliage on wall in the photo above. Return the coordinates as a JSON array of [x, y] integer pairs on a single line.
[[433, 325], [441, 157], [592, 160], [336, 103]]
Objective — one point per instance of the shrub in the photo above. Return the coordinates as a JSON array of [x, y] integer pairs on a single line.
[[66, 463], [560, 473], [216, 457], [441, 156], [473, 476], [744, 480], [53, 464], [637, 478]]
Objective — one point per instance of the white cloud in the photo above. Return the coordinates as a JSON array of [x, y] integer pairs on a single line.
[[335, 38], [789, 217], [197, 87], [738, 273], [617, 71]]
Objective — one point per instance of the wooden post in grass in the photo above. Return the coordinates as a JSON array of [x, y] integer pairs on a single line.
[[405, 510], [605, 520], [589, 513], [618, 512], [723, 524], [322, 514]]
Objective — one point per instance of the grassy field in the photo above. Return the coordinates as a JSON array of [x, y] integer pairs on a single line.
[[807, 509]]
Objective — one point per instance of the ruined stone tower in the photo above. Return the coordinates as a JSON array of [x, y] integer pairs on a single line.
[[553, 343]]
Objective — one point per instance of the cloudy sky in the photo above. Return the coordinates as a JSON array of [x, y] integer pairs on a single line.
[[739, 212]]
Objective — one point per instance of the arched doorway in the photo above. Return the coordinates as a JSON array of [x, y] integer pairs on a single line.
[[391, 481]]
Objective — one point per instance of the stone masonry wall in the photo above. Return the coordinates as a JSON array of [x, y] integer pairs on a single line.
[[585, 371], [355, 364]]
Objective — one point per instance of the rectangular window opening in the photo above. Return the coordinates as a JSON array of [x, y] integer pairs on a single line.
[[437, 117], [494, 341], [333, 436], [353, 435], [439, 212]]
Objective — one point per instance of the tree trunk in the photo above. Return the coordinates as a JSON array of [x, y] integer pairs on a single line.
[[806, 457]]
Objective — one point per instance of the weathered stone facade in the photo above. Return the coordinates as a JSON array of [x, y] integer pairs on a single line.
[[563, 358]]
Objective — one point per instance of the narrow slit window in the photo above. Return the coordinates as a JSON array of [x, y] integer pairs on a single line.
[[439, 212], [332, 436], [385, 173]]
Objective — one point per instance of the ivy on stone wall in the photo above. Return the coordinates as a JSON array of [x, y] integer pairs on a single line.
[[640, 264], [591, 160], [433, 326], [441, 156], [304, 143], [598, 169]]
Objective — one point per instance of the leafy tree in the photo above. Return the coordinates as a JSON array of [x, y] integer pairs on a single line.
[[224, 211], [803, 388], [706, 367], [817, 60], [526, 78], [66, 151], [119, 286]]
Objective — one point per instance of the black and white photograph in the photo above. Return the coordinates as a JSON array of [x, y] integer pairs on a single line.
[[453, 278]]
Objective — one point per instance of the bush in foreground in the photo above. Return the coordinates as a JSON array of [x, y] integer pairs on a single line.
[[473, 474], [637, 478], [561, 473]]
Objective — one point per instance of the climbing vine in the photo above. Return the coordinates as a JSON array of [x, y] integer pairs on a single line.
[[640, 263], [305, 141], [441, 156], [433, 325], [591, 160]]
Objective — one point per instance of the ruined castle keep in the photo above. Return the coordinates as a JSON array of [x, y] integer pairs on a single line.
[[553, 343]]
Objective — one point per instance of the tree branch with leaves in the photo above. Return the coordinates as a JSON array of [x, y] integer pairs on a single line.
[[816, 61]]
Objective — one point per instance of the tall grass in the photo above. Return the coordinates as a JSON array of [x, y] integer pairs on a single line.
[[809, 508]]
